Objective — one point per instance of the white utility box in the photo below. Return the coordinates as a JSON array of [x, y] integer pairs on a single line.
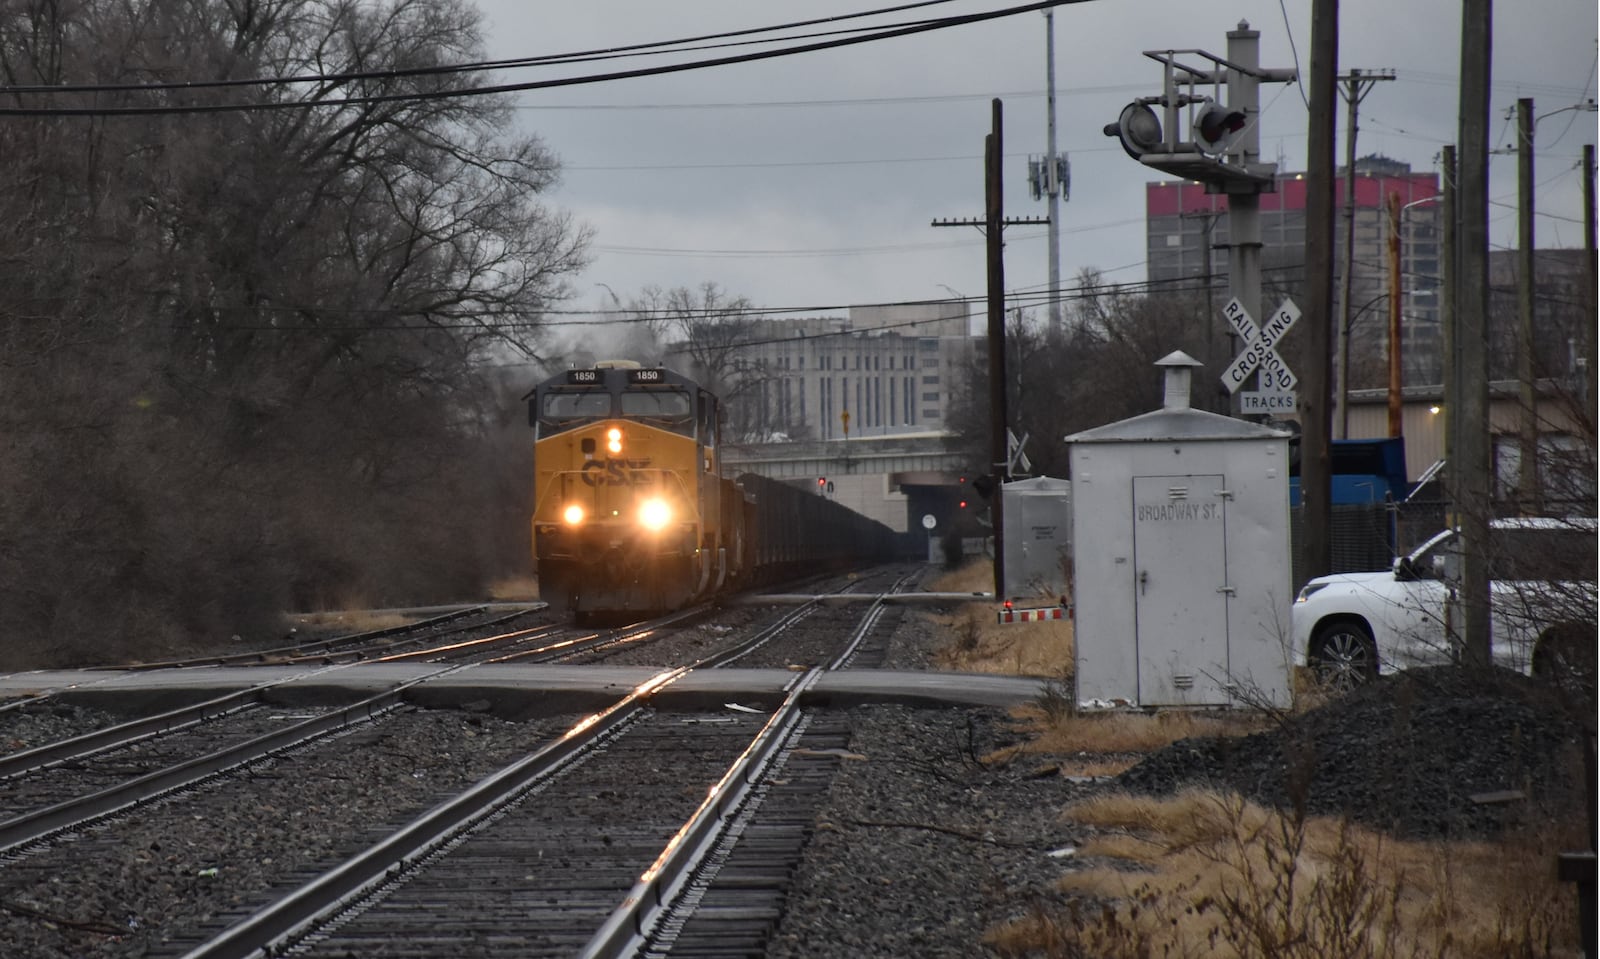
[[1180, 532], [1038, 538]]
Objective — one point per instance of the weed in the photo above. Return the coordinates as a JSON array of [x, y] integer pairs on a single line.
[[1219, 876], [1056, 700]]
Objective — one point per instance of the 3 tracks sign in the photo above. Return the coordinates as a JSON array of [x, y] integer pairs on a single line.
[[1275, 383]]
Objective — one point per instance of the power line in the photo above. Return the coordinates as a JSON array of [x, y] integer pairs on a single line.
[[767, 164], [905, 30], [837, 101], [836, 251], [652, 47]]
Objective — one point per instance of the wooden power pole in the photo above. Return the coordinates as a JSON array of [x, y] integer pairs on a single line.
[[1473, 466], [1396, 383], [1527, 388], [994, 221], [1356, 85], [1316, 416]]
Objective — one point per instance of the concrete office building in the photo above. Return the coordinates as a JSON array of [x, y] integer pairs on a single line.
[[890, 368]]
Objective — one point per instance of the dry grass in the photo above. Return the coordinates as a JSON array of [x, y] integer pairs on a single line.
[[350, 621], [982, 645], [1209, 874], [975, 576], [1124, 732], [514, 589]]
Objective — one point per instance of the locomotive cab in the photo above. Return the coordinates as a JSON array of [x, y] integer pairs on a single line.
[[626, 516]]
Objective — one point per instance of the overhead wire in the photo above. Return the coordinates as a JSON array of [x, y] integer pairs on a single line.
[[656, 46], [876, 34]]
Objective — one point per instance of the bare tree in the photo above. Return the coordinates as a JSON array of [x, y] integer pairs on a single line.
[[242, 356]]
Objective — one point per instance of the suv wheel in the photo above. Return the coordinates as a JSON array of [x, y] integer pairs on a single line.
[[1343, 656]]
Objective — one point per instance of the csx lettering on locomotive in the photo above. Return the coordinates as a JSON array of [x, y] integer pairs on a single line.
[[611, 472]]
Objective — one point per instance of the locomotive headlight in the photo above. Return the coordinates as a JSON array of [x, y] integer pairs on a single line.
[[573, 514], [614, 440], [654, 514]]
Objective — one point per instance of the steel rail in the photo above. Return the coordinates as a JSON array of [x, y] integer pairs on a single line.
[[263, 931], [185, 717], [123, 734], [250, 658], [868, 620], [41, 824], [626, 929], [307, 649], [305, 907]]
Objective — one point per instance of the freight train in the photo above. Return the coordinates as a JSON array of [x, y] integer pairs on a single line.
[[632, 515]]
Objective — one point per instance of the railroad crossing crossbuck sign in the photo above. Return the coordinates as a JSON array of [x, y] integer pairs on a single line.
[[1276, 382]]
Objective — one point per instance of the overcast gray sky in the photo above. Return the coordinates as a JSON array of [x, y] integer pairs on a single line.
[[811, 181]]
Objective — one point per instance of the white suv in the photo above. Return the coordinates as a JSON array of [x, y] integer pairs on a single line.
[[1351, 626]]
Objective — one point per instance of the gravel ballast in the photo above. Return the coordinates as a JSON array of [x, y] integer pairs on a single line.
[[924, 842]]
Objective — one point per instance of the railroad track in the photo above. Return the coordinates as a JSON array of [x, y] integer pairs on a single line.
[[536, 859], [63, 786]]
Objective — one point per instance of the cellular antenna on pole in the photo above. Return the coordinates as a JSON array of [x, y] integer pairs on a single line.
[[1050, 177]]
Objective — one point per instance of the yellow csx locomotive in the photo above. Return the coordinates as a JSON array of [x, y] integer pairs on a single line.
[[631, 513]]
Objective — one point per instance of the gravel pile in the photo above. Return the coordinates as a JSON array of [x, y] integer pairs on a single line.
[[1406, 754]]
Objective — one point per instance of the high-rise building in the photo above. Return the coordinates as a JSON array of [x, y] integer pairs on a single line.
[[1187, 240]]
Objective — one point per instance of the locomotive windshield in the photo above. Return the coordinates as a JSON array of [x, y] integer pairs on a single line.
[[562, 410], [559, 411], [669, 406], [567, 406]]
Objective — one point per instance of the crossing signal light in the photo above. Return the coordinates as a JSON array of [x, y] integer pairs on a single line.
[[1215, 125], [822, 481], [984, 485], [963, 504], [1138, 128]]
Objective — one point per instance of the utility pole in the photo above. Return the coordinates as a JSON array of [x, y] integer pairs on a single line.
[[1447, 323], [1244, 208], [1396, 385], [1593, 284], [992, 224], [1527, 391], [1452, 367], [1472, 312], [994, 216], [1316, 467], [1357, 85]]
